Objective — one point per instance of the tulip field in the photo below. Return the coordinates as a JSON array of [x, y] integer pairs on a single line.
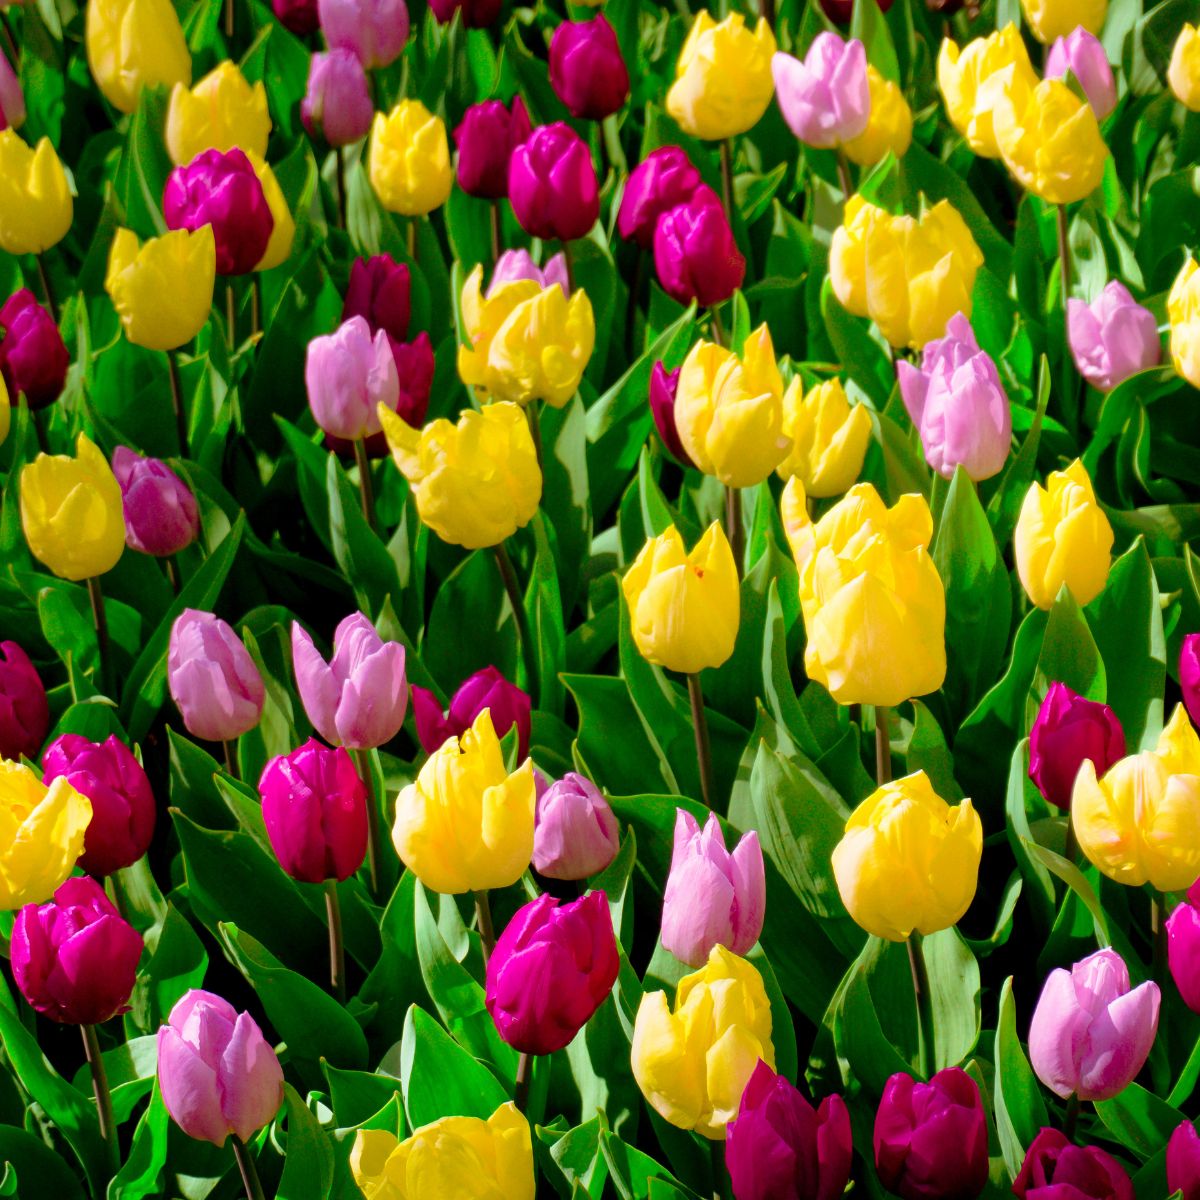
[[599, 600]]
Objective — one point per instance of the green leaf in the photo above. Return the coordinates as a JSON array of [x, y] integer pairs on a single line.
[[1039, 887], [36, 1168], [357, 549], [1020, 1112], [954, 996], [1139, 1120], [357, 1095], [1069, 655], [308, 1154], [139, 1174], [1075, 879]]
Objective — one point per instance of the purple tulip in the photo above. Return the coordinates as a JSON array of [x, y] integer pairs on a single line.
[[552, 967], [931, 1138], [33, 355], [779, 1146], [575, 833], [12, 98], [373, 30], [217, 1074], [662, 180], [1113, 337], [348, 374], [337, 103], [825, 100], [1183, 1162], [380, 291], [299, 16], [1054, 1169], [552, 184], [663, 386], [587, 71], [123, 809], [712, 897], [485, 689], [213, 679], [1067, 730], [1082, 54], [515, 265], [1189, 675], [24, 710], [695, 254], [486, 138], [74, 958], [161, 516], [415, 366], [1090, 1033], [1183, 947], [476, 14]]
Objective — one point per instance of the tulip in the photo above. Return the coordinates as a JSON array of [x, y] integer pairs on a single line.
[[476, 482], [1050, 19], [123, 809], [712, 897], [33, 356], [664, 179], [283, 227], [466, 824], [71, 512], [575, 833], [486, 138], [1183, 73], [840, 11], [222, 112], [825, 100], [415, 366], [1062, 539], [24, 710], [216, 1072], [1054, 1169], [337, 104], [889, 127], [692, 1064], [828, 437], [133, 44], [587, 71], [349, 376], [695, 253], [958, 405], [298, 16], [931, 1139], [723, 78], [486, 689], [41, 835], [1082, 54], [380, 291], [475, 14], [1183, 1162], [1113, 337], [35, 201], [373, 30], [664, 387], [848, 253], [161, 517], [5, 410], [1140, 822], [780, 1146], [684, 607], [1189, 675], [551, 970], [409, 160], [552, 184], [513, 266], [1069, 729], [1183, 313], [212, 678], [12, 98], [466, 1156], [1183, 947]]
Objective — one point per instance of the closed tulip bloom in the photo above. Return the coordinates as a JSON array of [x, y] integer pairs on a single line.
[[889, 128], [298, 16], [337, 103], [1063, 538], [466, 824], [223, 111], [1183, 947], [552, 968], [1091, 1033], [123, 809], [829, 438], [216, 1072], [477, 481], [409, 160], [1183, 314], [664, 386], [212, 678], [415, 366], [453, 1156], [133, 44], [575, 832], [712, 897], [1067, 730], [684, 607], [349, 375], [12, 98], [723, 78], [1050, 19], [41, 835], [358, 698], [24, 710], [161, 516], [1183, 1161], [662, 180], [513, 266], [848, 253], [1055, 1169], [1113, 337], [695, 253], [552, 184], [374, 30], [1189, 674], [692, 1064], [931, 1139], [35, 200], [486, 689], [825, 99], [1183, 73], [1082, 54], [476, 14], [486, 138], [33, 356], [380, 291], [587, 71]]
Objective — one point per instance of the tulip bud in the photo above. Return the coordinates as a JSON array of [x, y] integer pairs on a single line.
[[223, 190], [1189, 675], [575, 833], [828, 436], [212, 678], [222, 112], [825, 99], [1090, 1034], [1082, 54], [1183, 313], [486, 138], [551, 970], [889, 127], [587, 71], [380, 291], [695, 253], [513, 266], [161, 516], [123, 810], [337, 103], [1183, 947], [132, 44], [216, 1072], [486, 689], [409, 160], [349, 376], [552, 184], [663, 179], [664, 387], [24, 710], [373, 30], [298, 16], [1067, 730], [1183, 1162], [36, 208], [931, 1138], [1054, 1168], [476, 14], [12, 98], [1113, 337], [1050, 19], [1183, 73], [33, 356]]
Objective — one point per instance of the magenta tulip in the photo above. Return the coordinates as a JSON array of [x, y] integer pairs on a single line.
[[552, 184], [488, 689], [1054, 1169], [380, 291], [1183, 947], [515, 265], [825, 99], [33, 355], [587, 71], [213, 679], [663, 179], [161, 516], [373, 30], [1183, 1162], [337, 103], [486, 138], [1067, 731], [415, 366], [1113, 337], [663, 386], [12, 98], [695, 253], [24, 710], [348, 374], [575, 833], [299, 16], [1189, 675], [1084, 56], [476, 14]]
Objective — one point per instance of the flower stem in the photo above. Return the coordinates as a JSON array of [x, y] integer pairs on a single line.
[[100, 619], [230, 316], [1071, 1117], [497, 241], [364, 482], [533, 414], [181, 431], [1071, 846], [339, 168], [337, 948], [844, 179], [703, 748], [411, 234], [39, 429], [733, 527], [569, 262], [721, 1183], [172, 564], [231, 768], [883, 749], [718, 327], [245, 1162], [1158, 931], [920, 978], [255, 304], [47, 290], [104, 1104], [483, 918], [362, 760], [13, 53], [1064, 253], [509, 576], [524, 1076], [727, 179]]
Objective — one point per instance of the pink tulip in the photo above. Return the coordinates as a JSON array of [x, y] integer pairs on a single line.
[[375, 30], [695, 253], [508, 704], [337, 104], [213, 679], [348, 374], [825, 99], [12, 98], [1183, 1161], [515, 265], [1084, 56], [1183, 947], [24, 709], [552, 184], [1113, 337], [161, 515], [663, 179], [663, 386], [1067, 731], [575, 834]]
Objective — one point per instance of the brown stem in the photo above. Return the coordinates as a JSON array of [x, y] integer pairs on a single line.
[[569, 260], [496, 236], [734, 528], [703, 747], [231, 768], [365, 486], [249, 1172], [230, 316], [844, 179], [483, 918], [524, 1076], [255, 304], [47, 290], [411, 235], [362, 760], [181, 430], [509, 576], [172, 565], [100, 620], [727, 179], [883, 749], [229, 22], [1064, 253], [104, 1104], [920, 978], [718, 327], [337, 948]]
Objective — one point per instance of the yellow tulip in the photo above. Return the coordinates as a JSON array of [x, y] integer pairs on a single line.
[[1050, 141], [889, 127], [35, 202], [684, 608], [798, 525], [283, 230], [829, 438], [908, 861], [1141, 822], [409, 160], [1183, 314], [221, 112], [693, 1064], [132, 44], [848, 253], [723, 78], [729, 410], [527, 343], [41, 834], [1051, 19], [476, 482], [1062, 537], [5, 410], [1184, 72], [466, 825], [454, 1158], [162, 291], [71, 512], [873, 603]]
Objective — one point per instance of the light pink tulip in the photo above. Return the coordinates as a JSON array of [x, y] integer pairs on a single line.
[[12, 98], [825, 99], [1113, 337], [514, 265], [348, 374], [1082, 54], [375, 30], [575, 834], [213, 679]]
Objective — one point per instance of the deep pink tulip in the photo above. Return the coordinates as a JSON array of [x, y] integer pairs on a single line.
[[1183, 947], [374, 30], [663, 386], [840, 11], [299, 16], [575, 833], [514, 265], [213, 679], [1067, 730], [24, 710], [380, 291], [415, 367], [12, 98], [663, 179], [1084, 56], [552, 184], [161, 516], [587, 71], [1113, 337], [33, 355], [337, 103], [348, 374], [1183, 1161], [489, 689], [476, 14], [695, 253], [825, 98], [1189, 675], [486, 138], [1054, 1169]]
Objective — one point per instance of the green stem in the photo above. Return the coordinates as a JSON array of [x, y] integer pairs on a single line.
[[727, 179], [497, 239], [509, 576], [533, 414], [364, 482], [337, 948], [1158, 932], [883, 749], [487, 931], [718, 327], [44, 275], [104, 1104], [703, 748], [181, 431], [1071, 1117], [524, 1075], [1064, 253], [920, 978], [100, 619], [231, 768], [245, 1161], [340, 174], [844, 179], [734, 529], [362, 760]]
